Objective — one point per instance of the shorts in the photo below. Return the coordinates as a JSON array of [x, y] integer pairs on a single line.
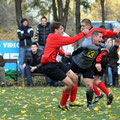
[[87, 73], [55, 70]]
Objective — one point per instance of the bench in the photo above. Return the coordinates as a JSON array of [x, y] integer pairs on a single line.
[[16, 73], [33, 75]]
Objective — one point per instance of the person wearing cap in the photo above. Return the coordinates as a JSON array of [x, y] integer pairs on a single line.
[[25, 33]]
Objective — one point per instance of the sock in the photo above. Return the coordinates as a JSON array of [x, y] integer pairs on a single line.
[[89, 95], [73, 93], [102, 86], [96, 91], [65, 96]]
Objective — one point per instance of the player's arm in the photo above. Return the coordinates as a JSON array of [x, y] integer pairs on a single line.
[[58, 40]]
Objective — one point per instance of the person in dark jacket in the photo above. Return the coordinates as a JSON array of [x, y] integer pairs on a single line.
[[112, 69], [25, 33], [32, 62], [2, 71], [42, 32]]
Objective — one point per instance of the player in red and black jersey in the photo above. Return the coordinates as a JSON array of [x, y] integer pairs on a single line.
[[56, 70]]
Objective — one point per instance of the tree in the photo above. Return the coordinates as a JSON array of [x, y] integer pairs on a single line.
[[77, 15], [103, 11], [62, 11], [18, 9]]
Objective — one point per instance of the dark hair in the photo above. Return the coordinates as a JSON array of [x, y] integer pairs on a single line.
[[55, 25], [43, 18], [86, 21], [95, 33], [24, 19], [34, 43], [102, 26]]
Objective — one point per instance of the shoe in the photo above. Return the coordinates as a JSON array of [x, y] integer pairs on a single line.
[[89, 106], [64, 108], [109, 98], [75, 103], [97, 98], [2, 84]]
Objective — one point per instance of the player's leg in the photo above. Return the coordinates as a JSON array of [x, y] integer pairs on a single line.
[[102, 86], [73, 93], [98, 94], [89, 93], [66, 93]]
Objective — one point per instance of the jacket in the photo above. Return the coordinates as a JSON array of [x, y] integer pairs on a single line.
[[112, 57], [42, 33], [25, 36], [2, 61], [33, 59]]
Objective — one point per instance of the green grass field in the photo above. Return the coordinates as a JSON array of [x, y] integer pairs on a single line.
[[40, 103]]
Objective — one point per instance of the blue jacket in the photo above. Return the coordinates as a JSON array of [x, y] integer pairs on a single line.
[[25, 33]]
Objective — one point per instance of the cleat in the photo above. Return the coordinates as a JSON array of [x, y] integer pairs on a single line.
[[64, 108], [75, 103], [97, 98], [109, 98], [89, 106]]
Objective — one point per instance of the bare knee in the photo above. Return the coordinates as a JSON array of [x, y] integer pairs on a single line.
[[68, 84]]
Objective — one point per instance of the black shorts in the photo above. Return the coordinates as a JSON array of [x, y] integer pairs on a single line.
[[87, 73], [55, 70]]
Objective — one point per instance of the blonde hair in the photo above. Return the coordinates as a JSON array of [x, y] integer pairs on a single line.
[[108, 40]]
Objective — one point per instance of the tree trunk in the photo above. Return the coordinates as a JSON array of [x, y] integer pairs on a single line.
[[103, 11], [62, 12], [18, 11], [54, 10], [65, 13], [77, 15]]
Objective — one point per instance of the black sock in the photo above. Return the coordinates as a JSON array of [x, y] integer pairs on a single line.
[[89, 95]]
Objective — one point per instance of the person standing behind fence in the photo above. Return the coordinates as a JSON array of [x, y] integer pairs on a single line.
[[112, 69], [42, 32], [25, 33], [2, 71]]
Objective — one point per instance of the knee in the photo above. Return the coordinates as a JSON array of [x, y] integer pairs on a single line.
[[70, 85], [75, 79], [89, 86]]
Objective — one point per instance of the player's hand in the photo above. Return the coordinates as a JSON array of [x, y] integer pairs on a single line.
[[85, 31], [33, 68], [98, 66], [105, 50], [24, 65], [67, 54]]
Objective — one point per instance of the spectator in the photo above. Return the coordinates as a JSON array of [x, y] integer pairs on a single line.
[[25, 33], [32, 62], [112, 70], [41, 35], [2, 71], [42, 32]]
